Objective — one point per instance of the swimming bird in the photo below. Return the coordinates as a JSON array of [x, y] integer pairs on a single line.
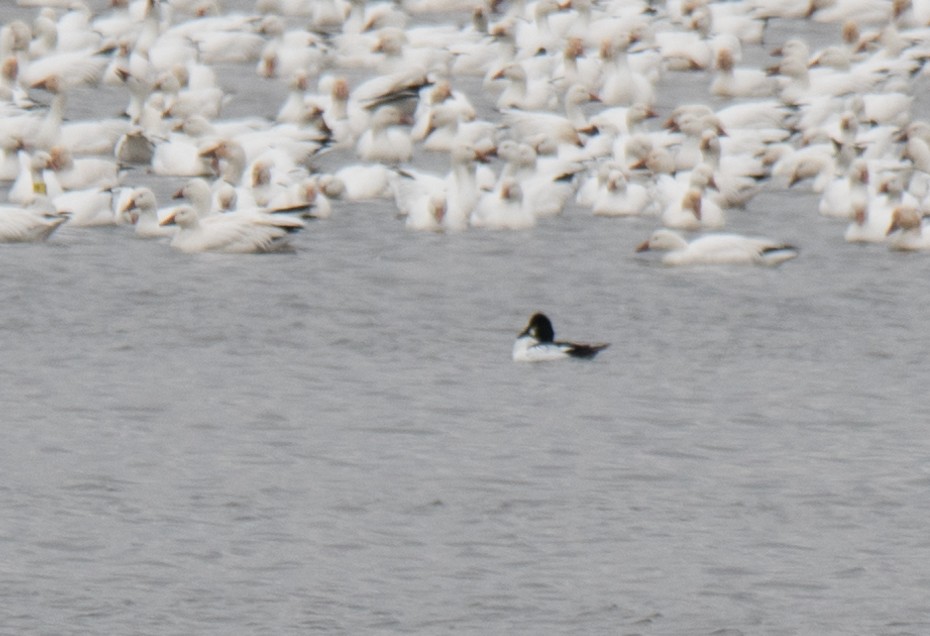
[[616, 195], [427, 198], [717, 249], [905, 234], [35, 222], [90, 207], [621, 82], [686, 203], [387, 140], [236, 232], [199, 196], [291, 51], [295, 109], [537, 343], [504, 208], [83, 172], [26, 128], [731, 81], [871, 217], [547, 184], [30, 182], [523, 91], [236, 38], [364, 181], [141, 211], [524, 124]]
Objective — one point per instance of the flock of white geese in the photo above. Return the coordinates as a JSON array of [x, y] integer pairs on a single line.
[[572, 89]]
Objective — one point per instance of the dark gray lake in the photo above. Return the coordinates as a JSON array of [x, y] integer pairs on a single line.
[[337, 441]]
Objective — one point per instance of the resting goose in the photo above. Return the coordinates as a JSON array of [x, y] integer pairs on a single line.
[[234, 233], [731, 81], [82, 173], [617, 196], [140, 209], [447, 200], [387, 140], [906, 233], [717, 249], [504, 209], [29, 224], [524, 92]]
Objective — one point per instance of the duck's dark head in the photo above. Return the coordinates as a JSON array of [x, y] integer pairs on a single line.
[[539, 327]]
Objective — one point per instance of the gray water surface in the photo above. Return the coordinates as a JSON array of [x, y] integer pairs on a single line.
[[337, 441]]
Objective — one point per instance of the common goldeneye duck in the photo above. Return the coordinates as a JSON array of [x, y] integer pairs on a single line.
[[537, 343]]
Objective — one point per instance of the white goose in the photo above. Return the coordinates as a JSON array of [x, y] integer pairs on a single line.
[[738, 20], [426, 213], [365, 181], [344, 118], [224, 39], [313, 195], [30, 182], [389, 88], [29, 224], [462, 185], [799, 84], [82, 173], [523, 92], [141, 211], [295, 109], [546, 186], [684, 50], [229, 163], [199, 195], [736, 176], [14, 39], [621, 83], [731, 81], [12, 92], [234, 233], [563, 129], [717, 249], [93, 136], [576, 68], [536, 36], [177, 155], [847, 193], [91, 207], [35, 129], [442, 111], [694, 211], [352, 47], [387, 140], [290, 51], [474, 56], [871, 221], [815, 163], [686, 201], [916, 137], [447, 123], [504, 209], [424, 195], [906, 232], [69, 70], [617, 196], [421, 48], [184, 96]]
